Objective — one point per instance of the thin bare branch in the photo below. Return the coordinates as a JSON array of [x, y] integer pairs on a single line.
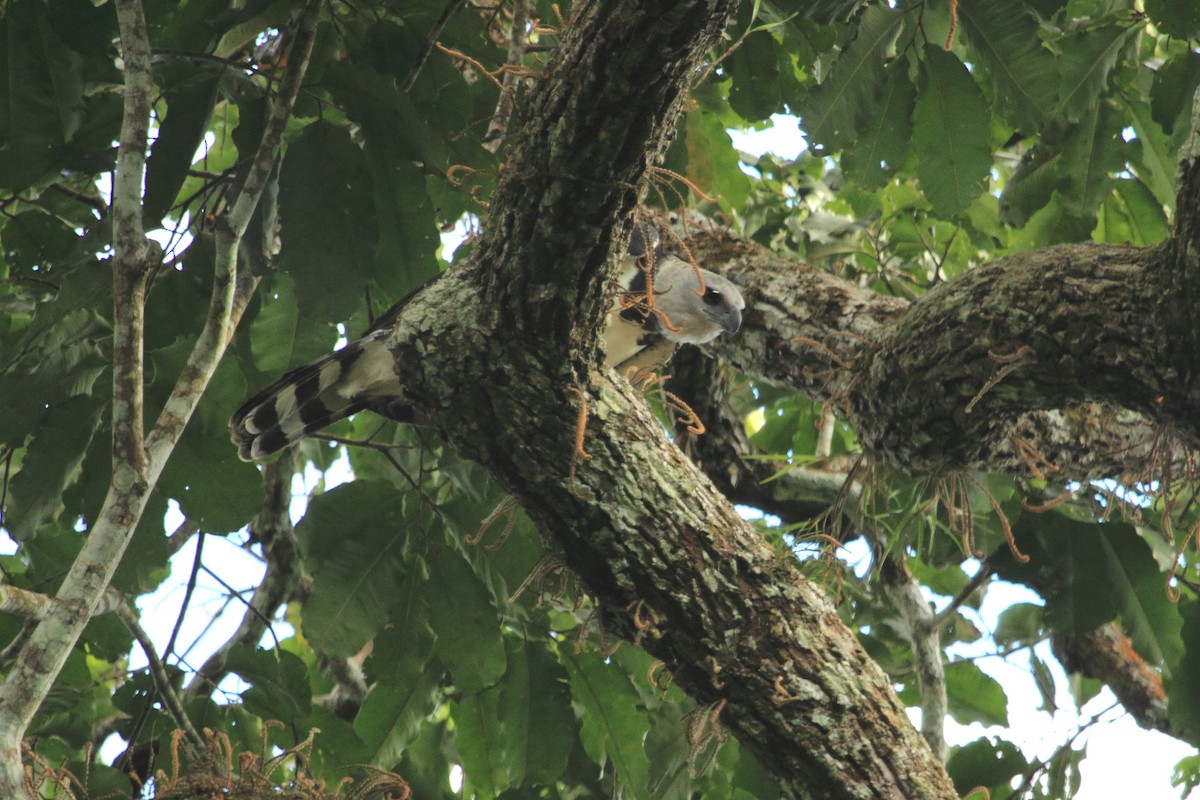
[[158, 673], [272, 527], [430, 39]]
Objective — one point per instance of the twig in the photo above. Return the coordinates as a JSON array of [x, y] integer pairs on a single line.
[[197, 560], [430, 39], [977, 580], [273, 527], [162, 681]]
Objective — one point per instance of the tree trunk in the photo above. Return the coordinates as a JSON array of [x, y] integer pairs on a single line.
[[500, 356]]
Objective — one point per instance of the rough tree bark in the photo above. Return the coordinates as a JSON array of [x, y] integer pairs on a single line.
[[500, 356], [1036, 348]]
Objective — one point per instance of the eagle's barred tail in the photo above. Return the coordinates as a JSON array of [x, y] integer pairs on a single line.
[[298, 404]]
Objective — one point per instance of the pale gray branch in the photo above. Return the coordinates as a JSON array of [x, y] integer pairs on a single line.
[[518, 42], [46, 650]]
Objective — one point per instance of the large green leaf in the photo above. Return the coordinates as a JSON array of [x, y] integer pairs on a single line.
[[712, 163], [974, 696], [328, 222], [1092, 152], [754, 67], [614, 727], [1101, 571], [397, 145], [836, 111], [51, 464], [1175, 17], [950, 133], [987, 762], [278, 340], [213, 486], [41, 95], [1183, 690], [884, 142], [353, 539], [278, 682], [1004, 38], [1154, 161], [465, 620], [1131, 215], [392, 715], [521, 730], [190, 95], [490, 744], [1087, 61], [1173, 90]]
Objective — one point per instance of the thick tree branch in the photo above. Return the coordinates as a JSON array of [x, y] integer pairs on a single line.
[[722, 453], [639, 523], [915, 374], [1107, 655]]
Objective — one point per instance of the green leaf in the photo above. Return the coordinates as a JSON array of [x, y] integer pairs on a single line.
[[1175, 17], [826, 11], [1032, 183], [1105, 570], [551, 720], [278, 342], [399, 153], [145, 563], [41, 95], [989, 762], [754, 68], [353, 538], [392, 715], [190, 94], [465, 621], [1173, 90], [521, 730], [712, 163], [840, 107], [1004, 39], [884, 142], [1092, 152], [1183, 690], [950, 133], [1020, 623], [328, 222], [278, 682], [1043, 678], [613, 727], [213, 487], [974, 696], [51, 464], [486, 743], [1155, 162], [1087, 60], [1131, 215]]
